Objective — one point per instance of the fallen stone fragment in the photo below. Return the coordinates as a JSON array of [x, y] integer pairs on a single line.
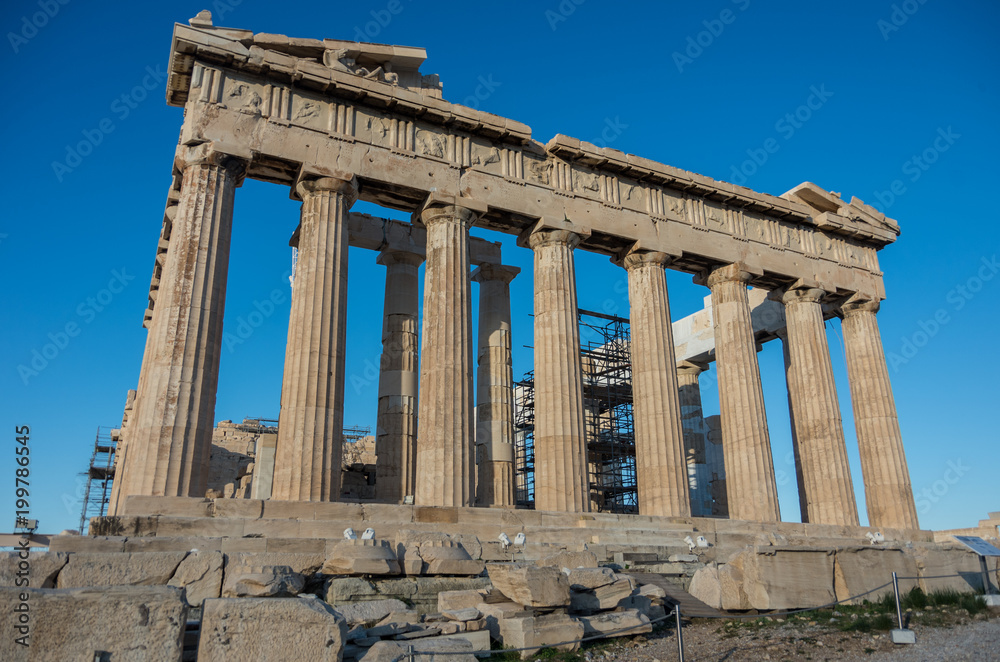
[[609, 623], [263, 582], [458, 650], [536, 632], [569, 560], [531, 585], [371, 611], [462, 615]]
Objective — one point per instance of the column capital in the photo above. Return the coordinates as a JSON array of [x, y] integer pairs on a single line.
[[493, 272], [441, 206], [792, 295], [215, 155], [639, 259], [388, 256], [540, 238], [347, 186], [729, 273], [859, 304], [690, 368]]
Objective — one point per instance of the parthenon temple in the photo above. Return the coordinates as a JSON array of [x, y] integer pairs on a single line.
[[340, 121]]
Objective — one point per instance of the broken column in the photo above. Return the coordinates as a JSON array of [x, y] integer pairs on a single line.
[[396, 428], [445, 451], [695, 437], [495, 393], [560, 443], [661, 471], [171, 435], [888, 491], [752, 493], [310, 428], [819, 432]]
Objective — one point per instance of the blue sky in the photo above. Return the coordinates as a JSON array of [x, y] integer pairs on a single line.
[[904, 98]]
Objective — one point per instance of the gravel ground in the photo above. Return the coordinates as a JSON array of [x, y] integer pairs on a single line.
[[967, 639]]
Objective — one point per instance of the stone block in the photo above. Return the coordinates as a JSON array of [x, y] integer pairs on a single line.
[[860, 569], [246, 629], [200, 575], [531, 585], [209, 527], [438, 554], [127, 623], [361, 557], [590, 578], [937, 562], [652, 591], [603, 597], [271, 581], [158, 544], [494, 613], [306, 564], [424, 650], [40, 568], [569, 560], [616, 623], [238, 508], [140, 569], [370, 611], [169, 506], [462, 615], [87, 544], [342, 590], [537, 632], [459, 599], [295, 546]]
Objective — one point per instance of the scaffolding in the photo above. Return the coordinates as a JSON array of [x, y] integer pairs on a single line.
[[524, 442], [100, 474], [610, 429]]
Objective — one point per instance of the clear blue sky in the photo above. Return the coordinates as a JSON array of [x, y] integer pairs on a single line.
[[630, 74]]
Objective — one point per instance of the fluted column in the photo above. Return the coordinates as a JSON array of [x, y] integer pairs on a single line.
[[445, 450], [561, 481], [495, 394], [695, 437], [396, 428], [888, 491], [746, 443], [171, 436], [819, 432], [307, 461], [661, 470]]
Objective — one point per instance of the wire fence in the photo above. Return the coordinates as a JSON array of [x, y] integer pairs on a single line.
[[675, 613]]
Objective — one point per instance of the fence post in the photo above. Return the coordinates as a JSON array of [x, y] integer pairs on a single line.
[[680, 634], [895, 590]]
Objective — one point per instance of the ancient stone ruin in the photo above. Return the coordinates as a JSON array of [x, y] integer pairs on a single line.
[[198, 551]]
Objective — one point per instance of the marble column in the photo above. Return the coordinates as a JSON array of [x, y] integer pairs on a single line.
[[561, 481], [819, 432], [307, 461], [661, 470], [170, 437], [888, 491], [396, 427], [695, 437], [746, 444], [445, 446], [495, 393]]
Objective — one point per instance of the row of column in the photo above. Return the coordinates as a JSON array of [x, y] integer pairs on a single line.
[[171, 437]]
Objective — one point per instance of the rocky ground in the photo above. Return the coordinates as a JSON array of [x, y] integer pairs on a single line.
[[943, 633]]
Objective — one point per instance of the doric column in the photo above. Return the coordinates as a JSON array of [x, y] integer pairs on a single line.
[[561, 481], [495, 394], [445, 450], [661, 470], [695, 437], [170, 437], [307, 461], [745, 441], [396, 429], [883, 464], [819, 432]]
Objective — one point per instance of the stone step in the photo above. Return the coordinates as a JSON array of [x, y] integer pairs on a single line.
[[691, 607]]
